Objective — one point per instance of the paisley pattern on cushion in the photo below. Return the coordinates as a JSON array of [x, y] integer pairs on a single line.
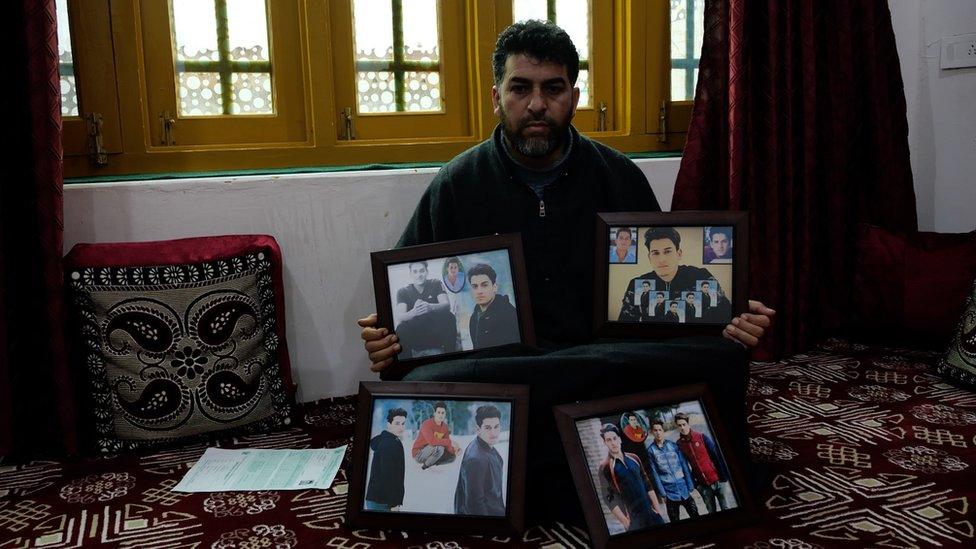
[[177, 351]]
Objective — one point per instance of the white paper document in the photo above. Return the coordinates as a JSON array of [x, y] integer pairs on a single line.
[[221, 470]]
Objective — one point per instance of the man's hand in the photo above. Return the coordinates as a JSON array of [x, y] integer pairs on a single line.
[[748, 328], [380, 343], [421, 308]]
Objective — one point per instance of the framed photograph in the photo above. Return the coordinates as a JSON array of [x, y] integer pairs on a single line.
[[451, 298], [653, 468], [689, 276], [439, 456]]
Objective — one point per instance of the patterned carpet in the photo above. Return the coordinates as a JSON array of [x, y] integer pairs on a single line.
[[867, 448]]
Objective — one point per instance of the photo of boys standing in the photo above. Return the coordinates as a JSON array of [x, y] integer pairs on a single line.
[[671, 474], [627, 490], [663, 246], [384, 490], [708, 469]]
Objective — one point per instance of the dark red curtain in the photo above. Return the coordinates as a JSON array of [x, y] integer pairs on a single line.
[[799, 118], [36, 405]]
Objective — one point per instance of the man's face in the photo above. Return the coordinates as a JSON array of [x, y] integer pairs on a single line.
[[683, 426], [705, 288], [664, 256], [483, 289], [674, 307], [690, 298], [632, 421], [660, 298], [396, 426], [489, 430], [535, 103], [452, 269], [418, 272], [440, 415], [623, 240], [645, 287], [612, 441], [658, 431], [720, 244]]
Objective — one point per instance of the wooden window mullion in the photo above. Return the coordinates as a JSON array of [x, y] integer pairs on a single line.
[[224, 64]]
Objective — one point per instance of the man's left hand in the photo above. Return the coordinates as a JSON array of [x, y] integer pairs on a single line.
[[748, 328]]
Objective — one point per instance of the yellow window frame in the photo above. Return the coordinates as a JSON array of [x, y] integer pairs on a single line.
[[92, 53]]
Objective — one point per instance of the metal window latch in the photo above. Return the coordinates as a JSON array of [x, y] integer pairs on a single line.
[[168, 125], [662, 122], [348, 127], [601, 123], [96, 152]]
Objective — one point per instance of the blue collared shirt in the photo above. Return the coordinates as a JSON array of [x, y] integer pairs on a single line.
[[670, 471], [631, 255]]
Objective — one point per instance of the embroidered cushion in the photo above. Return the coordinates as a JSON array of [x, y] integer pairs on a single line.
[[959, 363], [180, 339]]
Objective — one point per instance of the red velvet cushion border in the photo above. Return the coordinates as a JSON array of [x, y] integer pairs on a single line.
[[191, 250], [909, 289]]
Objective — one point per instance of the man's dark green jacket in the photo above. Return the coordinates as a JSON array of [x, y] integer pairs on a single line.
[[478, 194]]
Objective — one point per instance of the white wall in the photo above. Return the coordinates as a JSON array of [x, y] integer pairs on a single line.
[[326, 225], [941, 111]]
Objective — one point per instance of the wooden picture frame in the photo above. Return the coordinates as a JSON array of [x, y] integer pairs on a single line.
[[446, 330], [590, 444], [457, 491], [704, 291]]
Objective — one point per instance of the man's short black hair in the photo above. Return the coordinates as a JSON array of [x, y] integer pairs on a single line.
[[646, 283], [412, 263], [662, 233], [681, 416], [486, 412], [482, 269], [454, 260], [727, 231], [660, 294], [440, 404], [540, 40], [609, 428], [633, 414], [624, 230], [396, 412], [657, 421]]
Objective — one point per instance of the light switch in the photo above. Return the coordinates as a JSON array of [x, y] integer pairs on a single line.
[[958, 51]]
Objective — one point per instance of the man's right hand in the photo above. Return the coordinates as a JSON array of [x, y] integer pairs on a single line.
[[380, 343]]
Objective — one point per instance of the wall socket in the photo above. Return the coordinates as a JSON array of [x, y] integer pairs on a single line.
[[958, 51]]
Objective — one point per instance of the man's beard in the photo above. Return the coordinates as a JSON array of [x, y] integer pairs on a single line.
[[534, 147]]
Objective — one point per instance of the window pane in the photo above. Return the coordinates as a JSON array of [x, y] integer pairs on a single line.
[[69, 92], [252, 93], [397, 46], [195, 30], [200, 94], [374, 29], [573, 16], [221, 42], [529, 9], [583, 83], [686, 39], [247, 30]]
